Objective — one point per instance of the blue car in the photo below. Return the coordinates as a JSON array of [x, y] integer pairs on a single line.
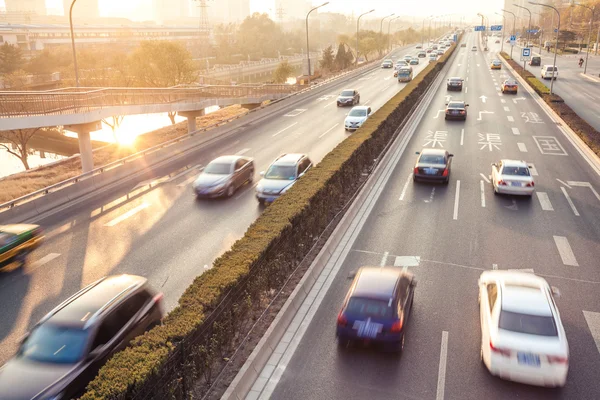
[[377, 308]]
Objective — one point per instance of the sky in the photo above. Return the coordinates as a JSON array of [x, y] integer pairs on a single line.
[[127, 8]]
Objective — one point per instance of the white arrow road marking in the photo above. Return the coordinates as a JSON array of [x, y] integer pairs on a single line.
[[565, 251], [585, 184], [483, 98], [520, 98], [570, 201], [544, 201], [563, 183], [438, 113], [484, 112]]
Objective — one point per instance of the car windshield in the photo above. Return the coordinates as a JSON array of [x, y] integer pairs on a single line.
[[359, 112], [513, 83], [4, 238], [286, 172], [218, 168], [526, 323], [432, 159], [55, 344], [363, 307], [456, 105], [455, 80], [496, 62], [347, 93], [404, 72], [515, 171]]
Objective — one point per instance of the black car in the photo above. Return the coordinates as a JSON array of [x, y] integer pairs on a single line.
[[454, 83], [17, 241], [535, 61], [377, 308], [223, 176], [66, 349], [348, 97], [433, 165], [456, 110]]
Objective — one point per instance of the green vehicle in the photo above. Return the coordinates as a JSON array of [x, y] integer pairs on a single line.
[[17, 241]]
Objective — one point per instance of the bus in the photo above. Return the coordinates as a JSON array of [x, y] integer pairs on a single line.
[[405, 74]]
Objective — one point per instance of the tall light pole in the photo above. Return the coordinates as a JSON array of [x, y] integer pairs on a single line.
[[482, 24], [382, 19], [357, 26], [592, 9], [528, 29], [389, 37], [513, 29], [73, 44], [423, 31], [308, 48], [556, 45], [503, 28]]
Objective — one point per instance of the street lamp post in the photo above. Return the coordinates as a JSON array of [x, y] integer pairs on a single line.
[[382, 19], [503, 28], [73, 44], [556, 45], [389, 37], [513, 30], [587, 47], [528, 29], [423, 31], [357, 25], [308, 48]]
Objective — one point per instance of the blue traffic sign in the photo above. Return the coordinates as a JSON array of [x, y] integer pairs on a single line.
[[480, 28], [496, 28], [526, 52], [513, 37]]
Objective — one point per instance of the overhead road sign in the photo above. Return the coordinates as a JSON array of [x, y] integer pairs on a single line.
[[496, 28], [479, 28]]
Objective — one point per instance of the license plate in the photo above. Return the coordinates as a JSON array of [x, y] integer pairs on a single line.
[[431, 171], [455, 112], [367, 329], [518, 184], [528, 359]]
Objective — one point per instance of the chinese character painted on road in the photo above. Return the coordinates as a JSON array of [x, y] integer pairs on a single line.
[[433, 139], [532, 118], [490, 141], [549, 145]]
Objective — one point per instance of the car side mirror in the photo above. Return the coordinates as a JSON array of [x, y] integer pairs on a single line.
[[466, 105], [262, 173], [450, 155], [351, 275], [417, 152], [446, 103], [555, 291]]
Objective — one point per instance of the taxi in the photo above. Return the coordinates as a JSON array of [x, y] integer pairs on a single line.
[[17, 241], [496, 64]]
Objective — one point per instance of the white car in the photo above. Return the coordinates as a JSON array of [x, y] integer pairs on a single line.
[[512, 177], [549, 72], [356, 117], [522, 336], [474, 48]]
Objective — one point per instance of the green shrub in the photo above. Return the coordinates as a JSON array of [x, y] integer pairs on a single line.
[[538, 86]]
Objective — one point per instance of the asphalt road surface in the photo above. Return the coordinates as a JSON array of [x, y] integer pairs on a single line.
[[454, 233], [165, 234]]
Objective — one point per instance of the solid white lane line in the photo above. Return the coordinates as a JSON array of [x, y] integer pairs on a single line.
[[570, 201], [327, 131], [563, 183], [384, 259], [441, 385], [544, 201], [242, 152], [466, 90], [482, 188], [405, 187], [510, 118], [533, 170], [593, 321], [522, 147], [462, 136], [565, 251], [285, 129], [44, 260], [506, 108], [128, 214], [485, 178], [516, 131], [456, 199]]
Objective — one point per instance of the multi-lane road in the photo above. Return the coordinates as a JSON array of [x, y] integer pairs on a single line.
[[447, 235], [165, 234]]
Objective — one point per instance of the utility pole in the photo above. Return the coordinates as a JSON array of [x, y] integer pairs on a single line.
[[307, 47], [528, 29], [389, 37], [556, 45], [357, 26], [587, 47], [73, 44], [513, 30]]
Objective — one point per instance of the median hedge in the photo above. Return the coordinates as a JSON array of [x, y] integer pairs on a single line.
[[197, 334], [585, 131]]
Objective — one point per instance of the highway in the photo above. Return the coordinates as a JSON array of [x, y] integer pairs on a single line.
[[447, 236], [164, 233]]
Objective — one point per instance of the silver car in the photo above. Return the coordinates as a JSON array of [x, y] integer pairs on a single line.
[[223, 176], [280, 176]]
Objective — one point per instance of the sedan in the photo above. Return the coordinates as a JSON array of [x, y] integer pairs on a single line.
[[509, 86], [348, 97], [387, 64], [17, 241], [474, 48], [429, 50], [463, 45], [512, 177], [456, 110], [454, 83], [414, 61], [356, 117], [223, 176], [422, 54], [433, 165], [496, 64], [407, 58], [522, 336]]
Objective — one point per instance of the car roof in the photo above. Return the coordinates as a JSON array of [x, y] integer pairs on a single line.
[[455, 78], [456, 101], [511, 80], [437, 152], [226, 159], [377, 282], [360, 108], [90, 301], [289, 159], [17, 229], [514, 163], [521, 291], [349, 90]]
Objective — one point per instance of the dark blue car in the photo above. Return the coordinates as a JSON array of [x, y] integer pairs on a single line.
[[377, 307]]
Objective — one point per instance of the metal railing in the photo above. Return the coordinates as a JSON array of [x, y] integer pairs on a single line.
[[81, 100]]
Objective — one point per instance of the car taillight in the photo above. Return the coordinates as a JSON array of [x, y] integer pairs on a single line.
[[416, 171], [497, 350], [558, 360], [341, 319], [462, 112], [530, 184], [501, 182], [158, 298], [397, 326], [445, 172]]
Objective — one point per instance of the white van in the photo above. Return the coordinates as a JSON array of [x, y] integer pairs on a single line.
[[549, 72]]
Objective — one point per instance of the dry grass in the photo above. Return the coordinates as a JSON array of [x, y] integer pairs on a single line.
[[17, 185]]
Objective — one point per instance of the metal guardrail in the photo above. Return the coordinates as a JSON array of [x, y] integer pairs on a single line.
[[81, 100]]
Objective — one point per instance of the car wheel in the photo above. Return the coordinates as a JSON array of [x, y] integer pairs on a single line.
[[358, 101], [261, 202], [446, 117], [21, 258], [495, 190], [415, 179]]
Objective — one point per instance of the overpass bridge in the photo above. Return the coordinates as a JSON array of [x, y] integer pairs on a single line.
[[82, 109]]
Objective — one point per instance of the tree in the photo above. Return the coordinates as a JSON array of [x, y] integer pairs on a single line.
[[343, 58], [260, 37], [19, 139], [114, 123], [163, 64], [328, 61], [47, 62], [283, 71], [11, 59]]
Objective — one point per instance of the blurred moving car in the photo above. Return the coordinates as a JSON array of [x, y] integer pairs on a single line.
[[522, 336], [407, 58], [348, 97], [549, 72], [422, 54], [509, 86], [535, 61], [65, 350], [433, 57], [474, 48], [456, 109], [512, 177], [496, 64], [356, 117], [419, 46], [463, 45], [281, 175], [414, 61], [387, 64], [377, 307], [454, 83], [17, 241], [433, 165], [223, 176], [497, 41], [405, 74]]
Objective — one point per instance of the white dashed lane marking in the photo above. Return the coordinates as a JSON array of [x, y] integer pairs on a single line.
[[516, 131], [522, 147], [510, 118], [565, 251], [128, 214], [544, 201], [593, 321], [44, 260]]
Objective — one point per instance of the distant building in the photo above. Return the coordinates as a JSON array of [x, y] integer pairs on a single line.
[[226, 11], [82, 9], [289, 10], [37, 7]]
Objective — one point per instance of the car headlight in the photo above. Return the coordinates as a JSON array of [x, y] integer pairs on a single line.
[[259, 189]]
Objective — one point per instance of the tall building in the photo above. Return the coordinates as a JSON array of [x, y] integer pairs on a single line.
[[26, 6], [289, 10], [82, 9], [228, 11], [171, 10]]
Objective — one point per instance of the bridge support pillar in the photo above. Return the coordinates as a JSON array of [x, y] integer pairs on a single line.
[[191, 118], [251, 106], [85, 142]]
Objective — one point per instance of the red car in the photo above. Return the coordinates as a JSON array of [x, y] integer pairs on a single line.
[[509, 86]]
